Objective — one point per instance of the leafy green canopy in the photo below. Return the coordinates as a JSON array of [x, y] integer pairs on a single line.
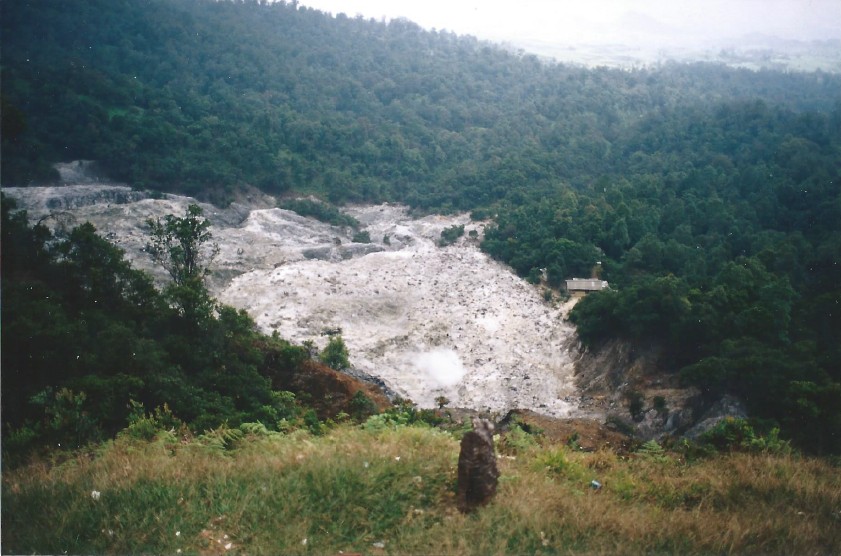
[[207, 96], [179, 245], [85, 337], [709, 194], [723, 245], [176, 245]]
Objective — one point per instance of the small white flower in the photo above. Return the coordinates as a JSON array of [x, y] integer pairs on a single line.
[[378, 544], [396, 458], [178, 533], [95, 494], [365, 464], [229, 545], [304, 542]]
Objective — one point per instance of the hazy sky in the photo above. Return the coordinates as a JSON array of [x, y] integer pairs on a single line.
[[607, 21]]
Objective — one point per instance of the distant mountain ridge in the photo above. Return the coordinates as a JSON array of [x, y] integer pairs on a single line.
[[206, 97]]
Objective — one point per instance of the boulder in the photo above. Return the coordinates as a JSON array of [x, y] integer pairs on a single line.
[[477, 471], [727, 406]]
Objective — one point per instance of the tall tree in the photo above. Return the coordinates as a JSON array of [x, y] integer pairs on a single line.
[[181, 245]]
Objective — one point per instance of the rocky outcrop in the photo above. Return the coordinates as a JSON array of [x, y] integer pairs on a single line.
[[726, 407], [477, 471], [341, 252], [628, 386], [80, 184], [43, 201], [375, 381]]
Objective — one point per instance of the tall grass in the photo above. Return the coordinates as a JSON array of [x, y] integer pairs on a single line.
[[392, 491]]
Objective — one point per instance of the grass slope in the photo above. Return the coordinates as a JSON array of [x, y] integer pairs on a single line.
[[391, 490]]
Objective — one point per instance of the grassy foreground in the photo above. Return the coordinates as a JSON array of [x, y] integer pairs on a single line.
[[391, 490]]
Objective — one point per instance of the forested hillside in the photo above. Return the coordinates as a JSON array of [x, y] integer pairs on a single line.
[[711, 195], [90, 345], [196, 95]]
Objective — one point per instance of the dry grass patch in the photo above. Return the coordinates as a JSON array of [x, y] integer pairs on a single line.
[[391, 491]]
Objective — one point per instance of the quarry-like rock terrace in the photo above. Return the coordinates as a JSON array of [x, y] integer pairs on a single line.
[[430, 321]]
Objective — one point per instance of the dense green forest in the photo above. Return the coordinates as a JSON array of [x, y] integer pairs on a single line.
[[90, 345], [711, 195], [197, 95]]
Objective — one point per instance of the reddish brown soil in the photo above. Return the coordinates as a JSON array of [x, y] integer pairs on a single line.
[[327, 391]]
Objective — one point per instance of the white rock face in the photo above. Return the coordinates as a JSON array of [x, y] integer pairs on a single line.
[[429, 321]]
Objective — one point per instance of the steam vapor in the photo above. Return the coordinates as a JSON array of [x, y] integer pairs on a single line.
[[442, 365]]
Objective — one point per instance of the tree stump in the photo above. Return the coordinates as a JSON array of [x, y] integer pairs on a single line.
[[477, 471]]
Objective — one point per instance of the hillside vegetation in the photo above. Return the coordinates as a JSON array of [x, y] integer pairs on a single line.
[[710, 195], [89, 346], [205, 96]]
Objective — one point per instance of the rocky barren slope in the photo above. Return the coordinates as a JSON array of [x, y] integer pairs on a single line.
[[429, 321]]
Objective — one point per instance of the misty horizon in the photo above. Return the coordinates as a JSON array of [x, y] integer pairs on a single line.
[[624, 32]]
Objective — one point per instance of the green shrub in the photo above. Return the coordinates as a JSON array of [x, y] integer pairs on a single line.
[[450, 235], [481, 213], [362, 237], [401, 414], [256, 430], [312, 423], [383, 421], [361, 406], [554, 461], [335, 354], [516, 441], [221, 438], [429, 417], [67, 422], [659, 404], [143, 426], [321, 211], [738, 434], [652, 451], [18, 442], [140, 425]]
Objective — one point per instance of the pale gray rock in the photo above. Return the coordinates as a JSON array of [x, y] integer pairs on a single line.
[[727, 406], [426, 321]]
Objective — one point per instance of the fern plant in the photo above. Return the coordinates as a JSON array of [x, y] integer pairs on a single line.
[[221, 438], [652, 451]]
